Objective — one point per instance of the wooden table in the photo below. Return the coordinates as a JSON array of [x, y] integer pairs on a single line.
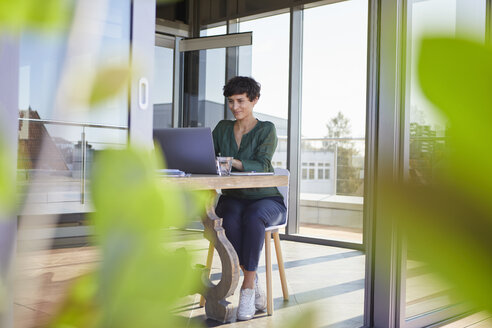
[[217, 307]]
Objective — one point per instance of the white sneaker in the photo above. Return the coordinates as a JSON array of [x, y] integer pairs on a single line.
[[246, 309], [260, 298]]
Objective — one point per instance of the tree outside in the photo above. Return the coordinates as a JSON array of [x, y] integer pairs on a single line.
[[349, 167], [427, 150]]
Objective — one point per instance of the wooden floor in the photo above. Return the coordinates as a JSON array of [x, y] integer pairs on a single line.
[[476, 320], [338, 292], [328, 279], [43, 278]]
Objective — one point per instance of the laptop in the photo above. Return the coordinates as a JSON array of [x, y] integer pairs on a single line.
[[187, 149]]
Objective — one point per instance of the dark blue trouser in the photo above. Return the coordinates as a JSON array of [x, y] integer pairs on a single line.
[[244, 221]]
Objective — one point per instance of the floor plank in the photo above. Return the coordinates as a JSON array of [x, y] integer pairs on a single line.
[[475, 320]]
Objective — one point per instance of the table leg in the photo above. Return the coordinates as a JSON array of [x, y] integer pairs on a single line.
[[216, 305]]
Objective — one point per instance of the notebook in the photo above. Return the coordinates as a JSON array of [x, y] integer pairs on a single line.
[[187, 149]]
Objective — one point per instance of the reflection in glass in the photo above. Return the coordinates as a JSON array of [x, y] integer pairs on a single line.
[[62, 175], [333, 120], [426, 130], [214, 82], [203, 102], [163, 87], [69, 137]]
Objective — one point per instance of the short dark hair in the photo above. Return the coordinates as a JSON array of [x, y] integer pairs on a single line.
[[242, 84]]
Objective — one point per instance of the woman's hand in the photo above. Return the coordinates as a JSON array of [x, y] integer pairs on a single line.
[[237, 164]]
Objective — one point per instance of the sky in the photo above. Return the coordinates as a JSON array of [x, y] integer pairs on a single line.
[[334, 66]]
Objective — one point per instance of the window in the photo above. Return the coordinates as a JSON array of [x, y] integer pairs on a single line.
[[269, 65], [278, 164], [72, 143], [311, 174], [334, 66], [427, 293]]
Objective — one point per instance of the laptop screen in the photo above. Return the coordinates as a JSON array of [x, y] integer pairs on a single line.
[[187, 149]]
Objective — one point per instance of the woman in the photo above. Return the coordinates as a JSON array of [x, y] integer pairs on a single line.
[[246, 212]]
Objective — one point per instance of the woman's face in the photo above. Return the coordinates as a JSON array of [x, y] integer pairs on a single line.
[[240, 106]]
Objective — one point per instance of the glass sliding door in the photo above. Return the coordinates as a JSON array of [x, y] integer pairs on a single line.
[[333, 121], [204, 76], [204, 100], [203, 103], [427, 298], [267, 61], [57, 145]]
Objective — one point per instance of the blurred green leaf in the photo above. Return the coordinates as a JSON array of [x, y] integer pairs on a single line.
[[79, 308], [448, 221], [141, 277], [307, 319], [46, 14], [455, 75], [109, 82], [7, 180], [451, 233], [13, 13]]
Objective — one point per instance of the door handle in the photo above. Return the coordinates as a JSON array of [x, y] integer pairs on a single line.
[[143, 93]]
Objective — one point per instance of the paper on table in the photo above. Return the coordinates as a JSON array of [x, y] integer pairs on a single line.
[[171, 172], [252, 173]]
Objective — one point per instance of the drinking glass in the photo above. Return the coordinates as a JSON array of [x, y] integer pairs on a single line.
[[224, 165]]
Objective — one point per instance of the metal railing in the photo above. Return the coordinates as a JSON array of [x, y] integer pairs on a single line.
[[325, 139], [83, 143]]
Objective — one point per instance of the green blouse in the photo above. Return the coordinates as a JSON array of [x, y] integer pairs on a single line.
[[255, 152]]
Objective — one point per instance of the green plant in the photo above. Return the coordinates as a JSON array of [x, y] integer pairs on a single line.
[[306, 319], [448, 222], [16, 15], [140, 277]]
